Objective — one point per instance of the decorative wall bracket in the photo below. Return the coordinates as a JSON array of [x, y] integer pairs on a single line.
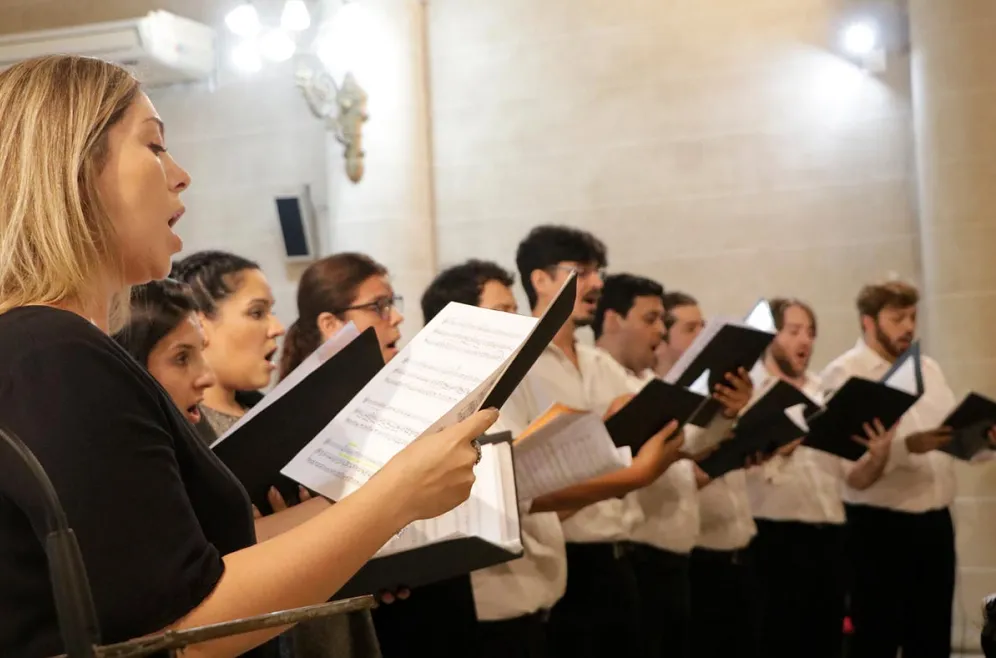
[[343, 108]]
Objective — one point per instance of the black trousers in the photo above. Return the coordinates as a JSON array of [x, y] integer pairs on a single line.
[[663, 581], [903, 582], [438, 620], [522, 637], [598, 614], [724, 604], [801, 590]]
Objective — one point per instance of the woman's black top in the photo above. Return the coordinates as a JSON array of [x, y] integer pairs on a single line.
[[152, 508]]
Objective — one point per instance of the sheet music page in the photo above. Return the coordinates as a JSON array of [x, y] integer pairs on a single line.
[[326, 351], [797, 414], [904, 378], [452, 359], [485, 514], [698, 345], [761, 318], [567, 450]]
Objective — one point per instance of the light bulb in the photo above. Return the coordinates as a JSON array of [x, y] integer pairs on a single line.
[[295, 16], [245, 57], [860, 39], [243, 20], [277, 46]]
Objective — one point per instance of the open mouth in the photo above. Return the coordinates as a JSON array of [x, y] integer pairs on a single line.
[[270, 356], [193, 413], [176, 217]]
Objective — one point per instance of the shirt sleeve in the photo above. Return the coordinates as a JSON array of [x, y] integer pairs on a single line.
[[101, 433]]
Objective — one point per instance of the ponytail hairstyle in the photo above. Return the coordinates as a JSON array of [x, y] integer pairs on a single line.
[[157, 308], [213, 277], [327, 286]]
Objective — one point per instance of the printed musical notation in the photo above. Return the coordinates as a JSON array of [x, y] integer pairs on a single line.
[[440, 377]]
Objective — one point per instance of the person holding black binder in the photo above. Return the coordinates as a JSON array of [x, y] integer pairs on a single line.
[[598, 614], [436, 619], [512, 600], [165, 531], [629, 327], [796, 502], [898, 512], [722, 584]]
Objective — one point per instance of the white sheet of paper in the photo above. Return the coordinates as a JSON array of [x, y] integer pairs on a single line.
[[326, 351], [569, 449], [797, 414], [761, 318], [441, 376], [490, 513], [904, 378]]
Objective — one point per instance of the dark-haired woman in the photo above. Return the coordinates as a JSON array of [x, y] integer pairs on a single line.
[[437, 620], [235, 306]]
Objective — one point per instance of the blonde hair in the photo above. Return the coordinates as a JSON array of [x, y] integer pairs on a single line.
[[56, 241]]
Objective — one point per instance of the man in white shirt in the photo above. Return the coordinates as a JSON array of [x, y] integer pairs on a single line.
[[901, 535], [629, 326], [796, 501], [722, 575], [511, 600], [598, 614]]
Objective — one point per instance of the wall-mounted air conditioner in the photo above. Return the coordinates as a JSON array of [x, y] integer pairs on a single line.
[[160, 48]]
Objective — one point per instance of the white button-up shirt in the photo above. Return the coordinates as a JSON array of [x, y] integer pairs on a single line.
[[670, 505], [592, 386], [910, 483], [537, 580], [725, 521], [805, 486]]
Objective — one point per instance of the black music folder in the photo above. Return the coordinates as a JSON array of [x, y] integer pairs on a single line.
[[776, 418], [431, 557], [724, 346], [656, 405], [971, 422], [549, 324], [860, 401], [257, 449]]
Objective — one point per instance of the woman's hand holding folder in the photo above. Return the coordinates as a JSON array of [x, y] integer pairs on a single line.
[[436, 472]]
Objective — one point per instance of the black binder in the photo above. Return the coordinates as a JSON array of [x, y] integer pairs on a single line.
[[433, 562], [733, 347], [549, 324], [766, 424], [971, 422], [860, 401], [259, 449], [656, 405]]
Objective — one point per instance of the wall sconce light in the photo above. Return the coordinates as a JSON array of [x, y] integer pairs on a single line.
[[343, 108]]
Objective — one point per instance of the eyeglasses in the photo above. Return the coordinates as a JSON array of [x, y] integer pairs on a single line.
[[583, 272], [381, 307]]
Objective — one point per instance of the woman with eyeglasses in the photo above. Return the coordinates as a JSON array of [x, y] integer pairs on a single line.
[[334, 291], [438, 619]]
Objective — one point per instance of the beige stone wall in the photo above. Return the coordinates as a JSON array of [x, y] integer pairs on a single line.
[[954, 95], [716, 146]]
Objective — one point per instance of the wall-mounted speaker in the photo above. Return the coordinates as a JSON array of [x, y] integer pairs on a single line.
[[297, 225]]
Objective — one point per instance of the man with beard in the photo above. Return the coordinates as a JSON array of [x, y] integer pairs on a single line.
[[598, 614], [901, 535], [795, 499]]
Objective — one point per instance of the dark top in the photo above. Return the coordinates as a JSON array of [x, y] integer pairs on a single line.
[[152, 508]]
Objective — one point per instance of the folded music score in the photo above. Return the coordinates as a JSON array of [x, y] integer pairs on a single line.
[[564, 447]]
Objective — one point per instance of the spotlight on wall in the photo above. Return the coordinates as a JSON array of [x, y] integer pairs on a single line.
[[860, 38], [265, 42], [243, 21]]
